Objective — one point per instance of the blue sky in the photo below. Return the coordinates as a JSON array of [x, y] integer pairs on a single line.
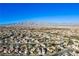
[[39, 12]]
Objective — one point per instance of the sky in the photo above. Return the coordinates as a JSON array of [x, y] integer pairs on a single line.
[[39, 12]]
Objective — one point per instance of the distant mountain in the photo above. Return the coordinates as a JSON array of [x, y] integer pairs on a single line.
[[39, 25]]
